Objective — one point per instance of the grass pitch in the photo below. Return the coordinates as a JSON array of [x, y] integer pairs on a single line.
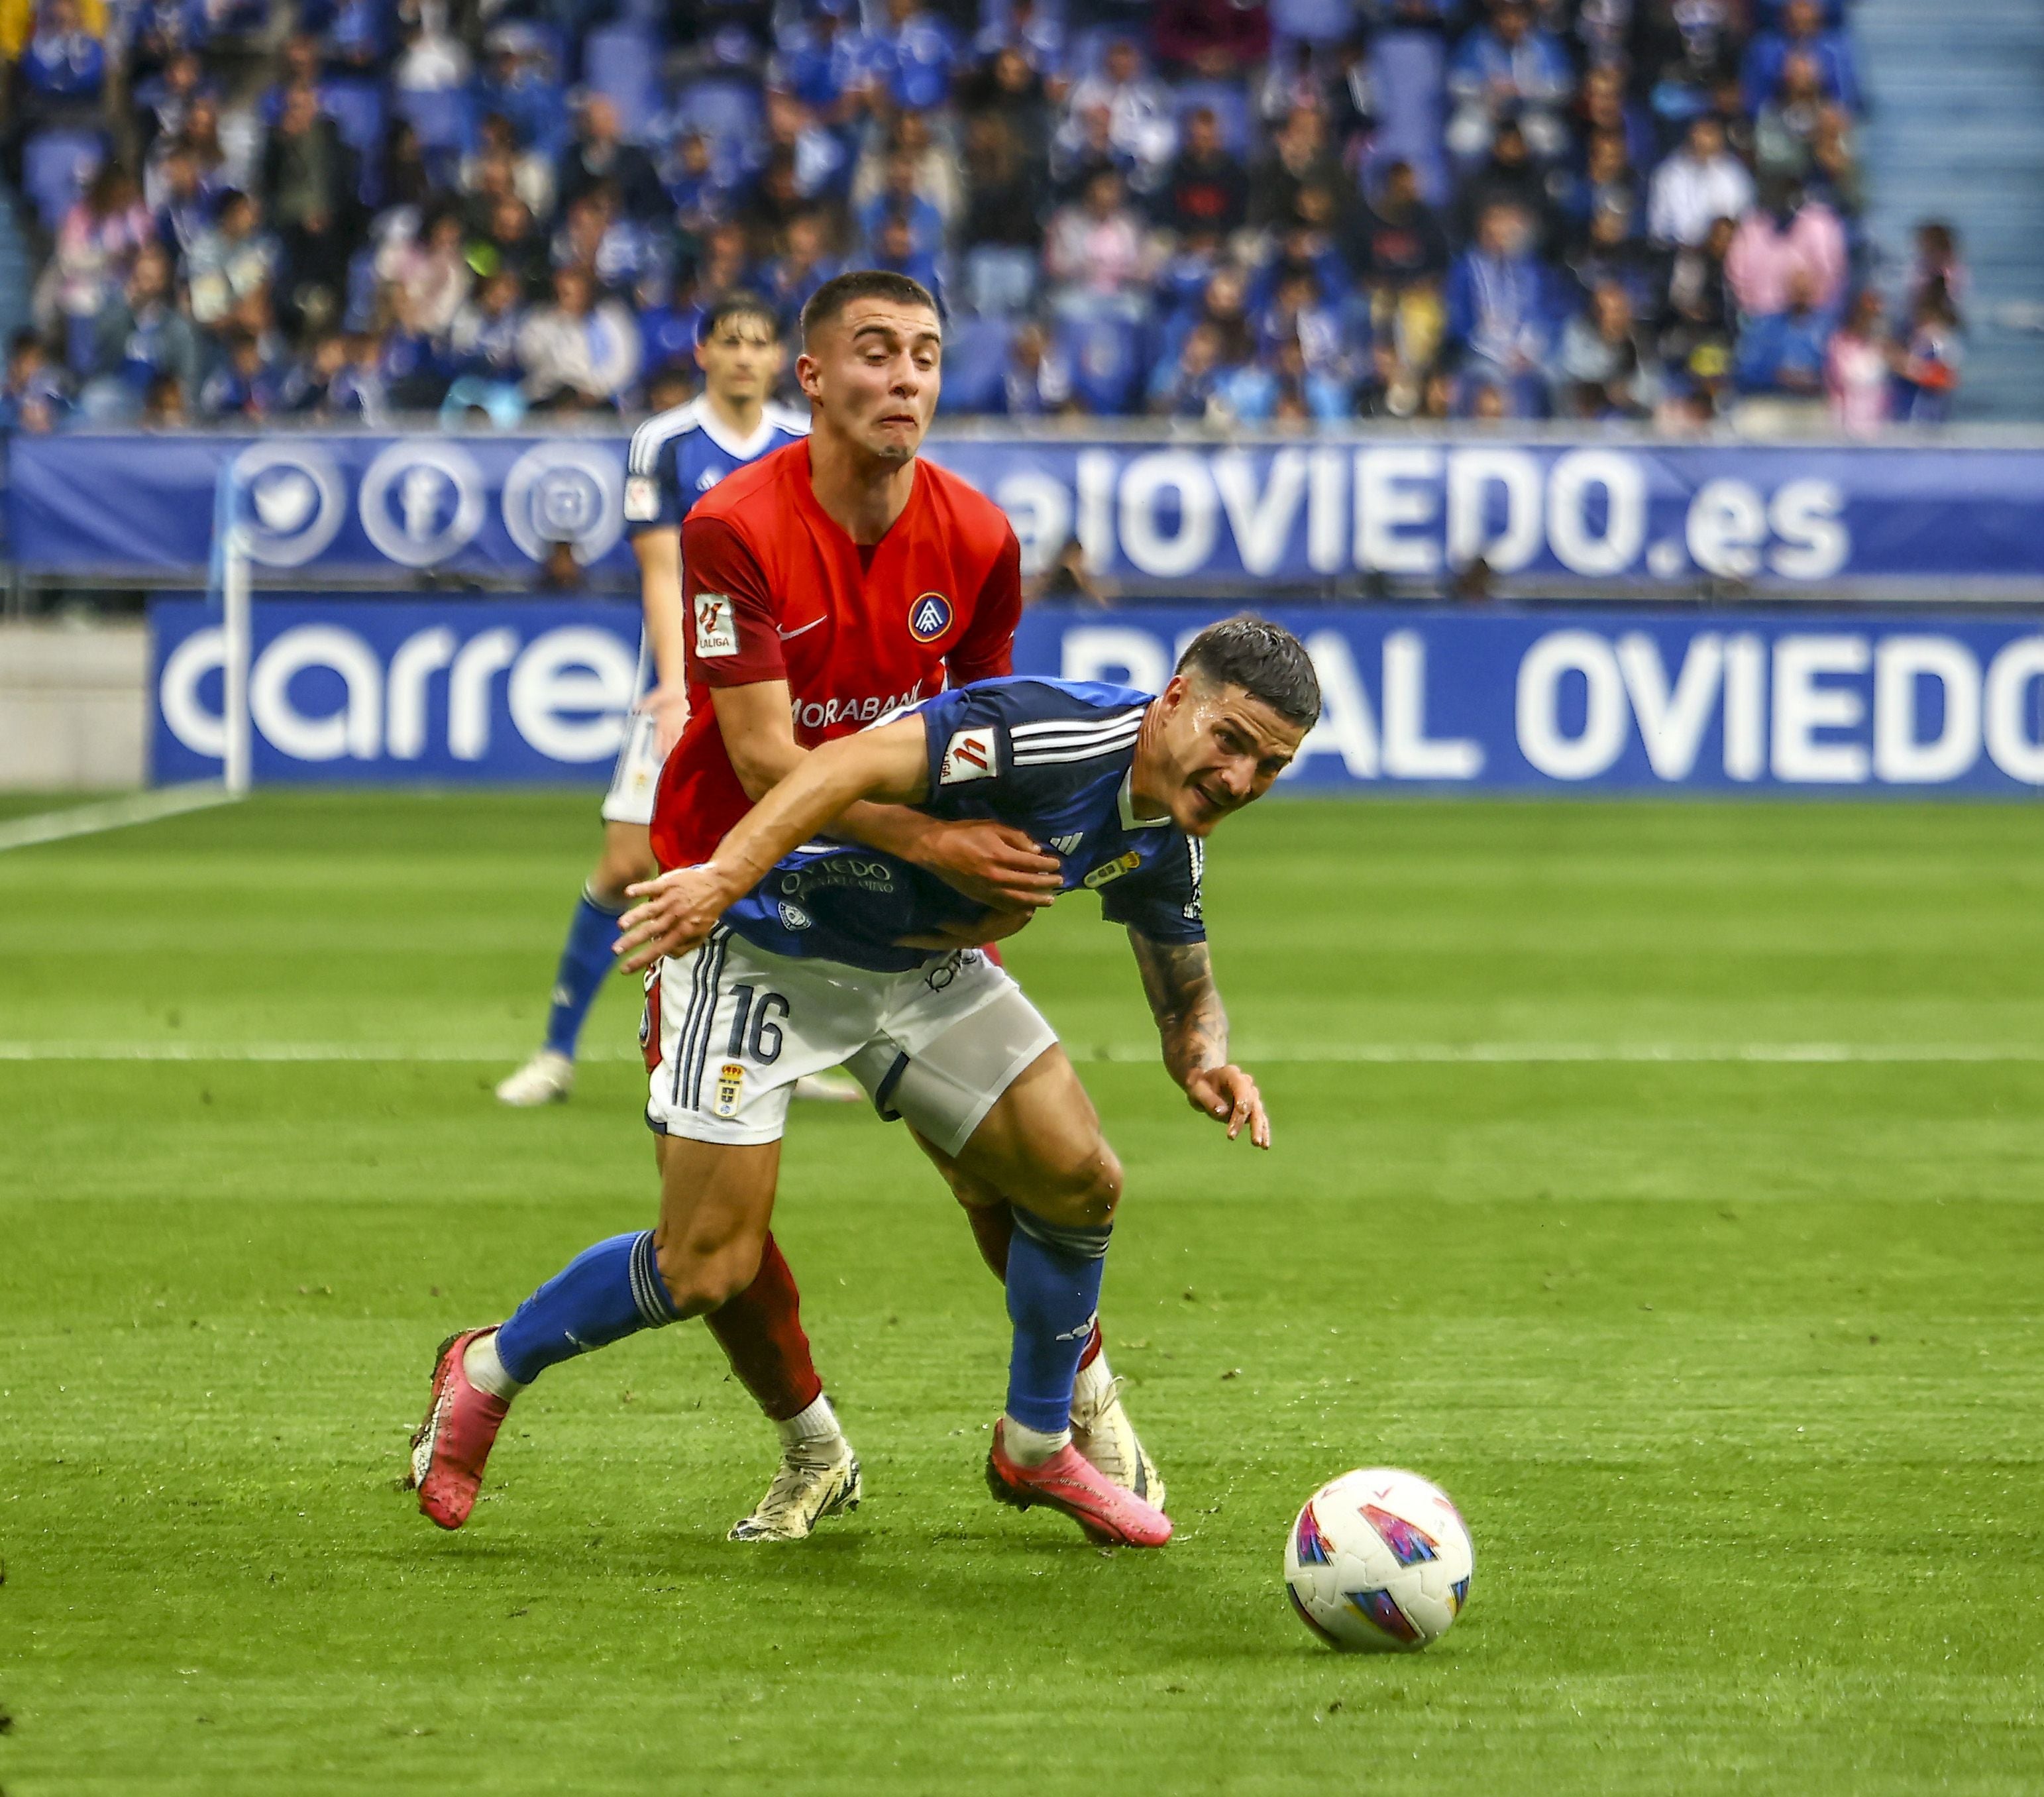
[[1732, 1365]]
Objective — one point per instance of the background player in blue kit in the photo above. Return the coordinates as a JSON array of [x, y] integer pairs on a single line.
[[796, 955], [676, 457]]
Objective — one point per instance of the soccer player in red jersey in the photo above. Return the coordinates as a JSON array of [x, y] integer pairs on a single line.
[[825, 585]]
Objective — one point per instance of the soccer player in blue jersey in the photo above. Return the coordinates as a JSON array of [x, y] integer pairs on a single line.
[[675, 458], [797, 954]]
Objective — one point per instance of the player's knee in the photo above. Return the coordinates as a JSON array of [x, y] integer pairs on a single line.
[[1083, 1189], [699, 1282]]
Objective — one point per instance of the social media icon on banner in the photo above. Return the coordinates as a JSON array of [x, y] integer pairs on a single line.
[[292, 501], [571, 493], [422, 501]]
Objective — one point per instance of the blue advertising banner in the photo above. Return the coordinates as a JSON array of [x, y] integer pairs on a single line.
[[1192, 513], [1485, 701]]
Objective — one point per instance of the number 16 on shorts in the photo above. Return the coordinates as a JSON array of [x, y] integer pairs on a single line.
[[753, 1032]]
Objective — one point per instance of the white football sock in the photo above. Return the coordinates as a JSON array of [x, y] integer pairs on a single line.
[[1091, 1387], [813, 1428], [1031, 1447], [486, 1372]]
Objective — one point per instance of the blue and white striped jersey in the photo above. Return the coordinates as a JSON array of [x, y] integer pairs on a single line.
[[1052, 757], [677, 456]]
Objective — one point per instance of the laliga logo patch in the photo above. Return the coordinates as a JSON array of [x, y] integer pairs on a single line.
[[1113, 869], [642, 499], [929, 617], [716, 631], [970, 755], [730, 1084]]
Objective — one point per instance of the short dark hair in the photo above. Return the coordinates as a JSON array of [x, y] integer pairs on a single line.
[[738, 305], [1265, 660], [838, 292]]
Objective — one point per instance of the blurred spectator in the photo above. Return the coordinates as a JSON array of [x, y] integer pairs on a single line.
[[1802, 33], [900, 194], [518, 86], [1037, 382], [164, 101], [1609, 255], [1499, 301], [246, 385], [1784, 129], [1206, 190], [1930, 371], [1834, 175], [1701, 182], [1859, 365], [309, 191], [1009, 85], [140, 333], [915, 56], [163, 404], [1095, 251], [1787, 236], [97, 244], [1001, 230], [482, 341], [63, 69], [578, 352], [1607, 366], [430, 269], [894, 248], [1213, 40], [1397, 239], [1937, 259], [597, 155], [35, 398], [1301, 157], [1508, 67], [1509, 176], [1140, 124], [1187, 385], [1781, 360], [233, 259], [804, 264]]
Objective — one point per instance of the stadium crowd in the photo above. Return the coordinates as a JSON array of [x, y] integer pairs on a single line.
[[1228, 211]]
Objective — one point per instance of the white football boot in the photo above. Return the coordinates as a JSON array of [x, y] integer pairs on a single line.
[[808, 1486], [834, 1087], [1104, 1435], [546, 1079]]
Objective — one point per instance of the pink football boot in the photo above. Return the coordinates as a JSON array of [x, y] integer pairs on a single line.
[[1069, 1482], [453, 1444]]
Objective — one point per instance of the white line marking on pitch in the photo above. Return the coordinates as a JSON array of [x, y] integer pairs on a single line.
[[111, 814], [1474, 1054]]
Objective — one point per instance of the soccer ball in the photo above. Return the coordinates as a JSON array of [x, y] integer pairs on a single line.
[[1379, 1561]]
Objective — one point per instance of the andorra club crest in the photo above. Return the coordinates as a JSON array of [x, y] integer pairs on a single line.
[[929, 617]]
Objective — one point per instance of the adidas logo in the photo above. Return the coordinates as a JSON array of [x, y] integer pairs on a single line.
[[1064, 845], [706, 480]]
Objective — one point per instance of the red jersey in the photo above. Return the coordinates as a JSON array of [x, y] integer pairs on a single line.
[[775, 590]]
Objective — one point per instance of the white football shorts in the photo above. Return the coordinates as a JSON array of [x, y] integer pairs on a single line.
[[636, 776], [729, 1029]]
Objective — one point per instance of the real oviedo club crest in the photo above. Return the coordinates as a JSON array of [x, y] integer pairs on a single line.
[[929, 617]]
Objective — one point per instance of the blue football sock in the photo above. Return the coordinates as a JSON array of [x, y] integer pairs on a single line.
[[1054, 1274], [603, 1295], [585, 959]]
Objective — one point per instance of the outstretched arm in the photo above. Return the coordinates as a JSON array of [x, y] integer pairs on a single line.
[[1178, 979], [680, 908]]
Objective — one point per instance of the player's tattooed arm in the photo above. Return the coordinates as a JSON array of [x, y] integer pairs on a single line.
[[1192, 1023]]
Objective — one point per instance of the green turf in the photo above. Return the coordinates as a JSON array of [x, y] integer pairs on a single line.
[[1735, 1368]]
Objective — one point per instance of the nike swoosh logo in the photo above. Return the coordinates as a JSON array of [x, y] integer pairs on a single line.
[[789, 635]]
